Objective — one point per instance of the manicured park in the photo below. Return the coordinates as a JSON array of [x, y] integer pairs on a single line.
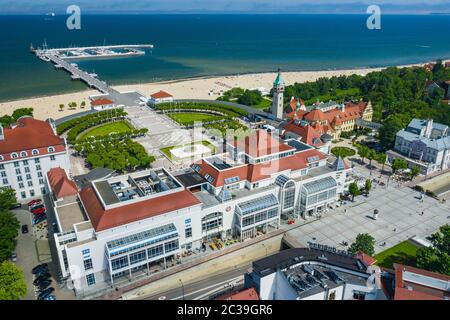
[[403, 253], [169, 155], [343, 152], [191, 117], [105, 129]]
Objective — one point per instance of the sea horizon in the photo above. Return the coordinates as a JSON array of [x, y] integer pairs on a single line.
[[192, 46]]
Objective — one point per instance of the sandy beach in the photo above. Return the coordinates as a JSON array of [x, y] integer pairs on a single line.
[[196, 88]]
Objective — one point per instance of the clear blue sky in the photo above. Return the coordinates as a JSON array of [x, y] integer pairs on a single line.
[[225, 6]]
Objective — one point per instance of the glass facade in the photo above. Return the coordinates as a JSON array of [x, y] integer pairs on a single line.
[[258, 204]]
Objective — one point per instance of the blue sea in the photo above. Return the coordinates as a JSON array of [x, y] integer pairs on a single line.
[[206, 45]]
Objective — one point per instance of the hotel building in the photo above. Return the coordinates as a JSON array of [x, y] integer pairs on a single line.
[[138, 223], [28, 150]]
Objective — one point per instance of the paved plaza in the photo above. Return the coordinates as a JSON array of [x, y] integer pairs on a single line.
[[400, 218]]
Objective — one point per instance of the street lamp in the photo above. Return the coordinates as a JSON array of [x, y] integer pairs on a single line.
[[182, 287]]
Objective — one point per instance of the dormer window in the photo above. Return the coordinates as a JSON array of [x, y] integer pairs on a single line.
[[35, 152], [14, 155], [2, 158], [51, 149], [23, 154]]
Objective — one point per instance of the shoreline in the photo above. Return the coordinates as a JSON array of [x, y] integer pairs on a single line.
[[201, 87]]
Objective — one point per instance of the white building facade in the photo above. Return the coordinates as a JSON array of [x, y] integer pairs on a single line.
[[28, 150]]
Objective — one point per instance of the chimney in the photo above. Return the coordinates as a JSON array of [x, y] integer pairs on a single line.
[[428, 128], [343, 107]]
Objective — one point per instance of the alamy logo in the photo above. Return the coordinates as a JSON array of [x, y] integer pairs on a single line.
[[74, 20], [374, 20]]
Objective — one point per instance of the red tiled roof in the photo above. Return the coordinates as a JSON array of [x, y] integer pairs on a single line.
[[60, 184], [260, 171], [368, 260], [29, 134], [417, 291], [161, 94], [308, 133], [315, 115], [246, 294], [103, 219], [259, 144], [101, 102]]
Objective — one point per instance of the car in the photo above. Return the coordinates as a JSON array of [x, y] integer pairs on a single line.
[[45, 293], [50, 297], [37, 207], [13, 257], [39, 219], [15, 206], [39, 267], [55, 227], [33, 202], [44, 284], [42, 273], [38, 211], [24, 228], [40, 278]]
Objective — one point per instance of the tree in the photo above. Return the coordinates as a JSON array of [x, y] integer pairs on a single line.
[[436, 258], [61, 107], [364, 242], [22, 112], [7, 198], [381, 159], [363, 152], [371, 154], [392, 125], [354, 190], [83, 104], [250, 98], [399, 164], [415, 171], [368, 186], [12, 282], [9, 229]]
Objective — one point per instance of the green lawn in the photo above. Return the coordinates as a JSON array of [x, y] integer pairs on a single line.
[[264, 104], [105, 129], [403, 253], [189, 118], [167, 153], [344, 152]]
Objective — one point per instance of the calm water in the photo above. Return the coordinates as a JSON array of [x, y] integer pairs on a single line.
[[199, 45]]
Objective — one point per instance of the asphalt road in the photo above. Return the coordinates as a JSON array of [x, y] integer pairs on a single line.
[[203, 289]]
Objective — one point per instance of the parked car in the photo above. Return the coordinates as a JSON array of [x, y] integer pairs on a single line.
[[15, 206], [13, 257], [44, 284], [41, 277], [34, 202], [55, 227], [45, 293], [50, 297], [37, 207], [38, 211], [24, 228], [43, 273], [39, 219], [39, 267]]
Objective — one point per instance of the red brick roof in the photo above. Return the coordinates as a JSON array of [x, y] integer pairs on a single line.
[[405, 290], [29, 134], [259, 144], [60, 184], [103, 219], [101, 102], [246, 294], [368, 260], [315, 115], [161, 94]]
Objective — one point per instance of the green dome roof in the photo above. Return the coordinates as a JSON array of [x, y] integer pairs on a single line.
[[278, 80]]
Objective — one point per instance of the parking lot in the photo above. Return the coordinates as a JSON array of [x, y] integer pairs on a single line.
[[33, 248]]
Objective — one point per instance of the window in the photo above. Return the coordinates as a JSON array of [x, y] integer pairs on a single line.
[[196, 168], [23, 195], [209, 178], [37, 160], [358, 295], [90, 279], [188, 232], [39, 174], [25, 162], [155, 251], [28, 176], [38, 167], [21, 186], [16, 164], [31, 193], [87, 264], [14, 156], [119, 263], [52, 158], [137, 257], [18, 171], [19, 178], [2, 167], [3, 174], [23, 154], [35, 152], [27, 169], [5, 182], [41, 181], [51, 149], [171, 246], [30, 183]]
